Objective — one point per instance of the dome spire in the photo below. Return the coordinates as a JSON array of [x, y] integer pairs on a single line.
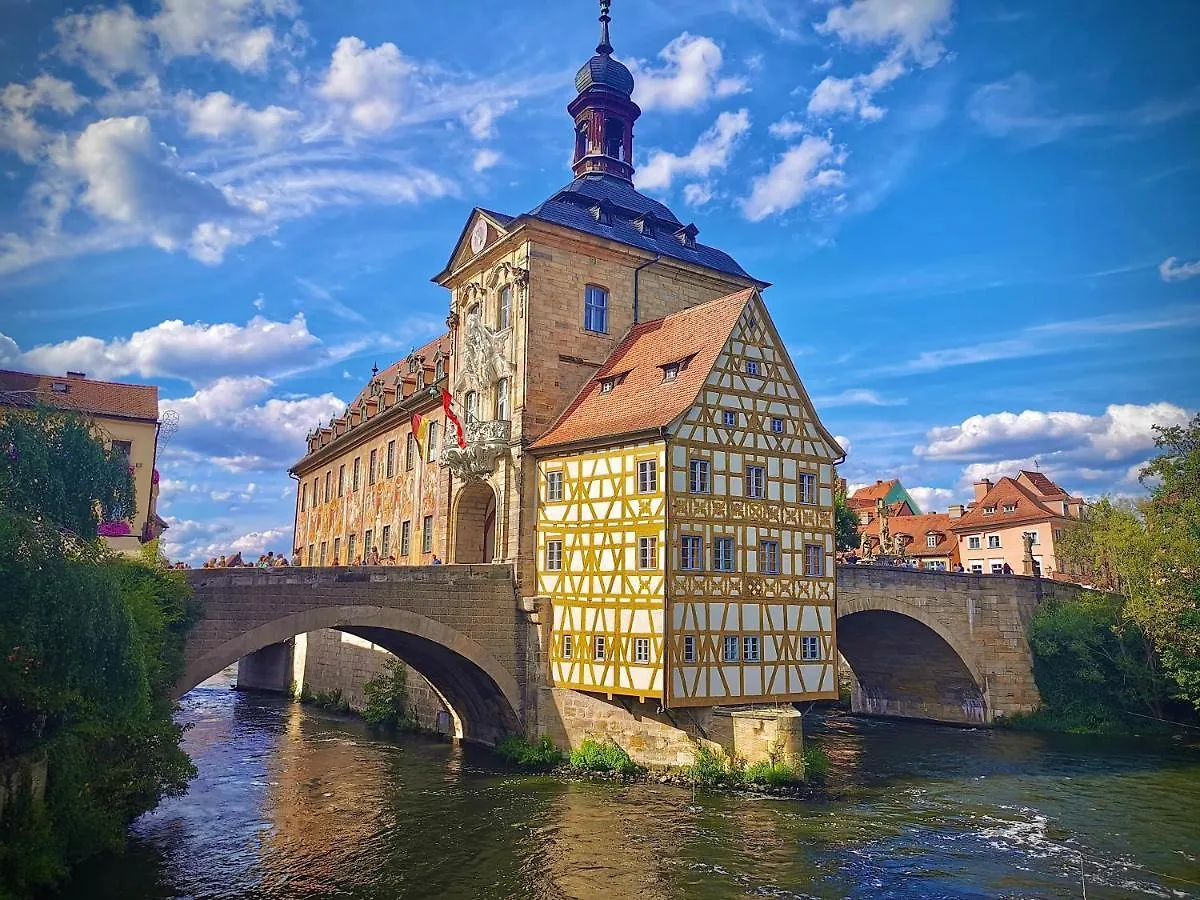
[[605, 47]]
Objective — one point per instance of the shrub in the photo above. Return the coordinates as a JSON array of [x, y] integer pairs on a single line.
[[539, 756], [775, 773], [816, 764], [594, 756], [385, 699], [332, 701], [712, 767]]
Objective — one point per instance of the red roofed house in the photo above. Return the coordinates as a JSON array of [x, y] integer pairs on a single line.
[[991, 530], [891, 492], [931, 542], [124, 417]]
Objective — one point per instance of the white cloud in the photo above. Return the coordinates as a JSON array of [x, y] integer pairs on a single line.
[[689, 77], [697, 194], [711, 153], [367, 85], [858, 397], [196, 352], [218, 115], [801, 170], [912, 26], [1171, 269], [787, 128], [105, 41], [843, 442], [481, 118], [855, 96], [932, 499], [1122, 432], [19, 130], [485, 159], [195, 542]]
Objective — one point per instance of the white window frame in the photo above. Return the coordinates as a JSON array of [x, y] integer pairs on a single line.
[[729, 418], [689, 648], [814, 560], [600, 646], [554, 556], [810, 647], [768, 558], [807, 487], [731, 649], [568, 646], [752, 367], [975, 542], [931, 540], [776, 425], [647, 553], [699, 477], [724, 554], [994, 542], [647, 476], [503, 410], [595, 309], [756, 482], [504, 308], [1036, 541], [641, 650], [750, 648], [554, 486]]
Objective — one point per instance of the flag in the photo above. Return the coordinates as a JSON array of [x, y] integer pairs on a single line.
[[447, 403], [420, 430]]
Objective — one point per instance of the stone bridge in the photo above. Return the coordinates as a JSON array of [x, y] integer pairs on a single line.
[[930, 645]]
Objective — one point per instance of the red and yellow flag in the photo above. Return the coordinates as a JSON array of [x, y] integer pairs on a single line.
[[420, 430], [447, 406]]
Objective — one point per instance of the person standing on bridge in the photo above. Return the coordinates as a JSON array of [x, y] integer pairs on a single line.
[[436, 561]]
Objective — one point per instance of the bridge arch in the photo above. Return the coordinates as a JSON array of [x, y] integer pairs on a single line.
[[906, 663], [484, 695]]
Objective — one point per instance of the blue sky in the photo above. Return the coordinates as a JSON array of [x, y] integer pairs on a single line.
[[979, 219]]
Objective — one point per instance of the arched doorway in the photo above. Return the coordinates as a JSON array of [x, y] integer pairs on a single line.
[[475, 524]]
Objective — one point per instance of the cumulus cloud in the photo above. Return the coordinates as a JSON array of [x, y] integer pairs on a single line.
[[711, 153], [1171, 269], [855, 96], [481, 118], [932, 499], [19, 103], [787, 128], [366, 85], [485, 159], [194, 541], [218, 115], [697, 194], [197, 352], [689, 77], [912, 26], [808, 167], [104, 41]]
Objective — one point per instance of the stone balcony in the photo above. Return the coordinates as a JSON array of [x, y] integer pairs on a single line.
[[486, 442]]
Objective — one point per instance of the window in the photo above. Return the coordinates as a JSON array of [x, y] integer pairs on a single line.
[[808, 487], [405, 538], [595, 309], [328, 485], [931, 540], [989, 510], [432, 441], [372, 465], [554, 550], [1010, 507], [309, 559], [367, 545], [997, 567], [123, 449], [315, 486], [568, 646], [976, 568], [439, 369], [689, 649], [691, 553], [554, 486], [391, 459], [730, 649], [648, 553], [723, 554], [935, 565], [385, 547], [993, 541], [614, 138], [323, 548], [502, 390], [427, 535], [342, 480], [814, 559], [729, 418], [974, 542], [698, 476], [777, 425], [303, 497], [751, 367], [750, 649], [471, 405], [350, 549], [410, 451], [354, 477], [647, 476], [670, 371], [768, 562], [337, 551], [504, 308], [641, 650], [599, 647], [756, 481], [607, 385], [1033, 535], [810, 647]]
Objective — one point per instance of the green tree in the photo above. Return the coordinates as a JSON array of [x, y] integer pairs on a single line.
[[845, 523]]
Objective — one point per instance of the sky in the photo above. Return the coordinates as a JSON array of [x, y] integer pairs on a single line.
[[979, 219]]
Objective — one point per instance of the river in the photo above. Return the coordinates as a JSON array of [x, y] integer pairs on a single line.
[[295, 803]]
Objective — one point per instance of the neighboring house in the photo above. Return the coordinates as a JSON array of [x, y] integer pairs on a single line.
[[124, 417], [899, 503], [685, 519], [931, 542], [991, 530]]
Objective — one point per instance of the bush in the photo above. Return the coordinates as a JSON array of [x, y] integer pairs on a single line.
[[816, 764], [332, 701], [593, 756], [712, 767], [385, 699], [539, 756]]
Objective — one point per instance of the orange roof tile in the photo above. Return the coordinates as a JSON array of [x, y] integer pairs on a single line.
[[918, 529], [1026, 507], [85, 395], [866, 496], [641, 399], [1041, 484], [388, 376]]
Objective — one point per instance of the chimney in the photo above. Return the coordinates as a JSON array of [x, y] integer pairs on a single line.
[[76, 374], [955, 512], [981, 489]]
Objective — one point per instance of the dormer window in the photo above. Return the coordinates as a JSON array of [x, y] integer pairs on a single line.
[[989, 510], [687, 235], [60, 387], [931, 540], [1010, 507], [672, 369], [607, 385], [602, 212]]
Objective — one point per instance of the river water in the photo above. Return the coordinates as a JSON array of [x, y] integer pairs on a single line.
[[295, 803]]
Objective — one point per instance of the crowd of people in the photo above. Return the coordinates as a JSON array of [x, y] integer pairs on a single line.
[[267, 560]]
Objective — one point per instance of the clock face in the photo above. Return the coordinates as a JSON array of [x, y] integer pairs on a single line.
[[479, 236]]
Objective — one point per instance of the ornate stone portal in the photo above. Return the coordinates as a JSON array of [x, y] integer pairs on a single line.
[[482, 363]]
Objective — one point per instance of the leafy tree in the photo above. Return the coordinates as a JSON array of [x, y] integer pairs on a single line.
[[845, 523]]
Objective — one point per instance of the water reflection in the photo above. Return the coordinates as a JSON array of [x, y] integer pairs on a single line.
[[291, 803]]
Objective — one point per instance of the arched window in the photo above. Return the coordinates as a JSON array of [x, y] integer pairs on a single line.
[[471, 404], [421, 378], [614, 138], [504, 308], [581, 140], [502, 408], [439, 369]]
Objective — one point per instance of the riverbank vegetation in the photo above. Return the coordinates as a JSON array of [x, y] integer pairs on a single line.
[[90, 645], [385, 700], [713, 768], [1130, 661]]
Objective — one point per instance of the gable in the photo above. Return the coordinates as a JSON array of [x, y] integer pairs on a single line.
[[491, 226]]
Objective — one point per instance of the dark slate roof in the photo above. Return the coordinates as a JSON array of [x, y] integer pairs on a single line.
[[498, 216], [572, 207], [602, 71]]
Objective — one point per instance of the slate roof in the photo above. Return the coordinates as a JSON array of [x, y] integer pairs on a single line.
[[85, 395], [602, 72], [642, 400], [572, 207]]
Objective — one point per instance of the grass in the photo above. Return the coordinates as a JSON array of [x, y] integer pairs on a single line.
[[536, 756], [713, 768], [594, 756]]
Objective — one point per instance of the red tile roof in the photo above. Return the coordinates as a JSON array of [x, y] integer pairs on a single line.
[[85, 395], [918, 529], [1041, 484], [866, 496], [1027, 508], [400, 367], [641, 400]]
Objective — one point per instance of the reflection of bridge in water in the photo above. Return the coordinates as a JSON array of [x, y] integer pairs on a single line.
[[932, 645]]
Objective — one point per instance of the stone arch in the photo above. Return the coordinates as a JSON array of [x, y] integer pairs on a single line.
[[484, 695], [474, 521], [906, 663]]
